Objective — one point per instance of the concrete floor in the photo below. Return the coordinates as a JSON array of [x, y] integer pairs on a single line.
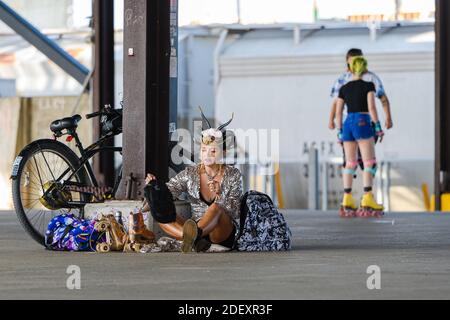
[[329, 260]]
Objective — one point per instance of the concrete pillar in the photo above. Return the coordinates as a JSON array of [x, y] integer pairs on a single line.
[[442, 100], [103, 83], [146, 94]]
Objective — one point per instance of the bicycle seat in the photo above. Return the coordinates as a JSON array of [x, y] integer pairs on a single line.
[[65, 123]]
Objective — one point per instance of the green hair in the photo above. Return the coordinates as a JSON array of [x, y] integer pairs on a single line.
[[358, 66]]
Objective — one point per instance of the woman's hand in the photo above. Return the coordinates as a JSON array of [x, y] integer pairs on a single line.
[[389, 123], [331, 125], [378, 131], [339, 136], [214, 186], [149, 178]]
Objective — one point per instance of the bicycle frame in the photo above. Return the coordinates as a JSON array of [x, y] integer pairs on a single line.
[[86, 154]]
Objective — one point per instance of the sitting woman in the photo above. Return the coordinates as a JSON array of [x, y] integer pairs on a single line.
[[214, 191]]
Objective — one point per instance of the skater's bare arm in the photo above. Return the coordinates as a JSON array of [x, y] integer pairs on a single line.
[[387, 110], [339, 105], [331, 124], [371, 106]]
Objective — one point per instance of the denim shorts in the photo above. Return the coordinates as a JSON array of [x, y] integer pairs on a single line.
[[357, 126]]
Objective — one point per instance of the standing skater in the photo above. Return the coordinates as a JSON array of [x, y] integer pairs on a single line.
[[357, 132], [368, 76]]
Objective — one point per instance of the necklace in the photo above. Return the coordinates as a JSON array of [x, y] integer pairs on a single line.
[[211, 178]]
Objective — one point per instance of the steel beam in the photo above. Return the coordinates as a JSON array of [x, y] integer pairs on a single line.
[[173, 73], [442, 101], [103, 82], [146, 94], [45, 45]]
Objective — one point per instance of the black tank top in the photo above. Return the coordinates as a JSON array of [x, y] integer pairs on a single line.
[[354, 94]]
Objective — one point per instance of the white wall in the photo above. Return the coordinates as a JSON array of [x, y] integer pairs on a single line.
[[196, 77], [292, 95]]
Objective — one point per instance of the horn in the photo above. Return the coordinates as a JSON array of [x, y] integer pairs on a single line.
[[204, 118], [226, 123]]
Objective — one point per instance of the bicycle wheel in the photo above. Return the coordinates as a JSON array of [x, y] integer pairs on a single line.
[[41, 166]]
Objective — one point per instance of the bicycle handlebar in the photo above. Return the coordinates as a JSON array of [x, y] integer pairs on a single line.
[[94, 114], [106, 110]]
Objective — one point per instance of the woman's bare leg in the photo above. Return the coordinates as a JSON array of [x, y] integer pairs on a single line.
[[367, 147], [223, 229], [174, 229], [216, 223], [350, 148]]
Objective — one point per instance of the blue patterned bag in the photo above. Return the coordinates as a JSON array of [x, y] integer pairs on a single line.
[[69, 233], [262, 227]]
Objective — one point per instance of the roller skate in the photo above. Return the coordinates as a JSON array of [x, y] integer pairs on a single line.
[[114, 233], [137, 230], [348, 206], [117, 234], [369, 208]]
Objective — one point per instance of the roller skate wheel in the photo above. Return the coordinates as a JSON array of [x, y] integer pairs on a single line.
[[346, 213], [377, 214], [127, 247], [136, 247], [370, 213], [101, 226], [103, 247]]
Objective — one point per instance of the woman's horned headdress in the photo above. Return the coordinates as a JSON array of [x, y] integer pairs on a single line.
[[213, 135]]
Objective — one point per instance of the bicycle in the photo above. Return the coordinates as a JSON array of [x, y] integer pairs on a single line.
[[48, 178]]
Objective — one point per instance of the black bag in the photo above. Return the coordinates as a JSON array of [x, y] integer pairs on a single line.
[[160, 201], [262, 226]]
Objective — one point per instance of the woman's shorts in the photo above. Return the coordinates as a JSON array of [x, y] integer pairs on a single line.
[[357, 126]]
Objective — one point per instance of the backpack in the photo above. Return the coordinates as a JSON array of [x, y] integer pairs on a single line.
[[262, 227], [69, 233]]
